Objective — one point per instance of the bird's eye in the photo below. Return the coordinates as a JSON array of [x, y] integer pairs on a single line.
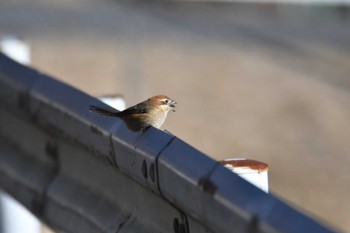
[[166, 101]]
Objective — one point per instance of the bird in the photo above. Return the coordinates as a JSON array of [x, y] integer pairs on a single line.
[[151, 112]]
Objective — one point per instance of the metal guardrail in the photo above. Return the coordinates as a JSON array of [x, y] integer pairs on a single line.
[[79, 172]]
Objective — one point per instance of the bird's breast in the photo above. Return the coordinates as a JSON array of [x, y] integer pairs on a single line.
[[157, 118]]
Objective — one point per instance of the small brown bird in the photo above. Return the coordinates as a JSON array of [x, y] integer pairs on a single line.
[[151, 112]]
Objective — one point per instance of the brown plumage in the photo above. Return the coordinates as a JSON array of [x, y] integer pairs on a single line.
[[151, 112]]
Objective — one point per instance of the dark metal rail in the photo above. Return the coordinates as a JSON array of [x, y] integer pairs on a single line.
[[79, 172]]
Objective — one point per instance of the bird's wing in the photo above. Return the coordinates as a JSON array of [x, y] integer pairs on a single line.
[[140, 108]]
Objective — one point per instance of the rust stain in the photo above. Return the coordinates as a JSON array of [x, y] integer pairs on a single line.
[[252, 164]]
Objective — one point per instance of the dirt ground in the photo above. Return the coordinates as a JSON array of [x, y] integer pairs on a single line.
[[268, 82]]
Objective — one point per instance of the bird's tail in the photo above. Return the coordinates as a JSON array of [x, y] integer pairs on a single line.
[[103, 111]]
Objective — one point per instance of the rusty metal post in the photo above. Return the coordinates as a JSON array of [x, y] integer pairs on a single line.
[[255, 172]]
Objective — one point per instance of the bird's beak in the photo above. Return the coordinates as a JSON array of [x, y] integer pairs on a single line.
[[172, 104]]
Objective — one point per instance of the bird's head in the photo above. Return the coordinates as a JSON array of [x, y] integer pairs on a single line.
[[163, 102]]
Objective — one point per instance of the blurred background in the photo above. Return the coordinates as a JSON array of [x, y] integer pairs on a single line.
[[264, 81]]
